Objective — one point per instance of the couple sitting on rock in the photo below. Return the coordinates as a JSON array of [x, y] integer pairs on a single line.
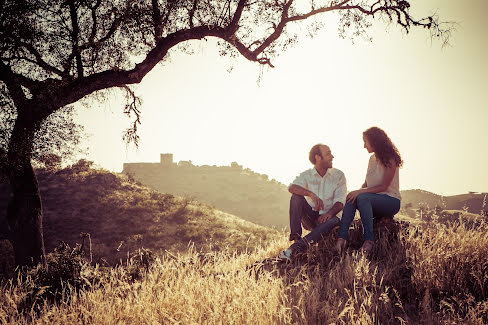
[[319, 195]]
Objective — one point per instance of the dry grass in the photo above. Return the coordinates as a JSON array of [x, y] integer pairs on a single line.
[[422, 274], [422, 271]]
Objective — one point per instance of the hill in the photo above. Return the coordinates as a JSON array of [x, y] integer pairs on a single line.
[[252, 196], [122, 215], [471, 202], [233, 189]]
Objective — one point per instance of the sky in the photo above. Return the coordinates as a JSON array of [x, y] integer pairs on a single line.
[[215, 110]]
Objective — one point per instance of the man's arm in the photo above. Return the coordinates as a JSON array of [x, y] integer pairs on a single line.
[[336, 208], [298, 190], [339, 200]]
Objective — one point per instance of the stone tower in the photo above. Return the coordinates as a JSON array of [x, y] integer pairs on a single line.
[[166, 159]]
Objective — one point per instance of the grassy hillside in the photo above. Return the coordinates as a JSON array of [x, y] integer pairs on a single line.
[[122, 215], [238, 191]]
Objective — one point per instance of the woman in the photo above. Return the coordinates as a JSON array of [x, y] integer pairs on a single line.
[[380, 194]]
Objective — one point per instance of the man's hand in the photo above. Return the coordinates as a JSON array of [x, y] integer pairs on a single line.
[[317, 202], [324, 217]]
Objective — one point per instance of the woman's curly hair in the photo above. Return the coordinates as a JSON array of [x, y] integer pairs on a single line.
[[382, 146]]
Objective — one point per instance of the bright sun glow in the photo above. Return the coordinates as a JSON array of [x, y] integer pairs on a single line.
[[325, 90]]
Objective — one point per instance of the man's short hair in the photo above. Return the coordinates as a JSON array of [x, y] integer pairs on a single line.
[[315, 151]]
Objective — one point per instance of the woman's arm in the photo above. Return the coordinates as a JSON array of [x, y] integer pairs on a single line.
[[387, 178]]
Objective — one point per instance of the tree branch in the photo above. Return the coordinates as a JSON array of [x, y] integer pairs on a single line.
[[13, 84], [234, 24], [115, 24], [278, 30], [317, 11], [94, 20], [70, 91], [132, 106], [39, 61], [74, 37], [156, 16], [192, 13]]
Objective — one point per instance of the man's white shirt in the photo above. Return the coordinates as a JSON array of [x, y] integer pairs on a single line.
[[331, 188]]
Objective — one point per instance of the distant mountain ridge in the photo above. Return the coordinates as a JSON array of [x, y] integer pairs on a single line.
[[253, 196], [471, 202]]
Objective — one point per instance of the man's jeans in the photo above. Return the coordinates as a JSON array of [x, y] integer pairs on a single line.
[[368, 204], [301, 213]]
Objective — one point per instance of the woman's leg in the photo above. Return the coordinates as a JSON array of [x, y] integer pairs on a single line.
[[347, 217], [378, 204]]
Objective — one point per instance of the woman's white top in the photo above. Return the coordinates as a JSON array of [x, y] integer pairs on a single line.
[[375, 175]]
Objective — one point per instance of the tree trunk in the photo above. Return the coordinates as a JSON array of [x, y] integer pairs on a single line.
[[24, 210]]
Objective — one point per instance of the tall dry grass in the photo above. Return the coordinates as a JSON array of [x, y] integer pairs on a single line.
[[426, 274]]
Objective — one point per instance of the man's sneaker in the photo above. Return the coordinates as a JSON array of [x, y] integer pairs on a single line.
[[286, 255], [295, 237]]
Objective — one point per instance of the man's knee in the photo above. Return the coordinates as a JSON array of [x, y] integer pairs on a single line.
[[327, 226], [297, 200], [334, 222]]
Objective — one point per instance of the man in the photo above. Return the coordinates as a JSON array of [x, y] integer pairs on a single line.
[[318, 196]]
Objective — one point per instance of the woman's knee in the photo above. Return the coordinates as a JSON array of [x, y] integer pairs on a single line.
[[363, 199], [349, 206]]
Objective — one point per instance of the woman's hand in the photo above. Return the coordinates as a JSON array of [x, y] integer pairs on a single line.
[[351, 197]]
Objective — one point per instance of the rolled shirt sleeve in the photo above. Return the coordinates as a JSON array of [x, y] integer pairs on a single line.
[[301, 180], [341, 191]]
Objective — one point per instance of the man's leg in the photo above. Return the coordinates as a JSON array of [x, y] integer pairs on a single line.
[[380, 204], [348, 214], [317, 234], [301, 212]]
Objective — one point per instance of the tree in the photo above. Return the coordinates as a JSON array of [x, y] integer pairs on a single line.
[[52, 144], [56, 52]]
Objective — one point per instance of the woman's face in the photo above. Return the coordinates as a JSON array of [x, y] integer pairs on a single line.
[[367, 145]]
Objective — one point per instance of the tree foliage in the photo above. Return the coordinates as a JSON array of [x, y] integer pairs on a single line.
[[57, 140]]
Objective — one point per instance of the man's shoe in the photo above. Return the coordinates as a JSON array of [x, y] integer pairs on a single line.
[[286, 255], [295, 237]]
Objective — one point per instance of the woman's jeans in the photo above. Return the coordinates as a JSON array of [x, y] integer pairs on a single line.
[[369, 205]]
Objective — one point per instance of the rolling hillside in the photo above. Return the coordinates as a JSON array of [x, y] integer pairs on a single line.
[[253, 196], [471, 202], [122, 215], [242, 192]]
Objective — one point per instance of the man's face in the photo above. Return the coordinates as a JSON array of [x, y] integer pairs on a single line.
[[326, 160]]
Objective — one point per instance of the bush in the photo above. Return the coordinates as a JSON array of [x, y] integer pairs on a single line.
[[82, 164], [62, 278]]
